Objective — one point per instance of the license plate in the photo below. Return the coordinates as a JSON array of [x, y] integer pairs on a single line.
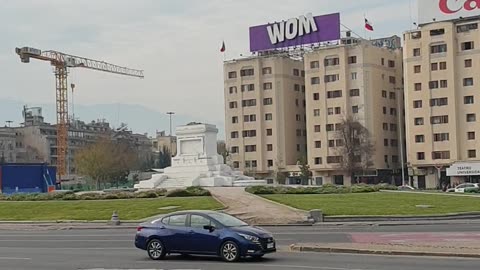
[[270, 245]]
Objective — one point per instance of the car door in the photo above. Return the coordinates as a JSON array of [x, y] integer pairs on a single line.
[[176, 237], [203, 241], [460, 188]]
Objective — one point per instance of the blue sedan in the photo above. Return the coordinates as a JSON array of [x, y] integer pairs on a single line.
[[203, 233]]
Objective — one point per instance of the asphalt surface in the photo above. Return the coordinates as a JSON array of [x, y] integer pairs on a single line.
[[113, 249]]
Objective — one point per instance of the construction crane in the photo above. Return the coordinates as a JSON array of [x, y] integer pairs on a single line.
[[62, 62]]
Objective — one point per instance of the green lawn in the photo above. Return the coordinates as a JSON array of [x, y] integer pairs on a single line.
[[134, 209], [384, 204]]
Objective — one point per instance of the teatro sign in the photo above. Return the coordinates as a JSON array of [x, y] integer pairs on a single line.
[[464, 169], [443, 10], [295, 32]]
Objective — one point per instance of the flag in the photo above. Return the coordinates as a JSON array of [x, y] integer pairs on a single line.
[[223, 47], [368, 25]]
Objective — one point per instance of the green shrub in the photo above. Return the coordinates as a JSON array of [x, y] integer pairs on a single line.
[[146, 195], [70, 197], [188, 192], [386, 187], [262, 190], [325, 189], [91, 196], [160, 192]]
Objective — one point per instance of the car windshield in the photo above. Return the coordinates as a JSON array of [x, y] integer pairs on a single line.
[[227, 220]]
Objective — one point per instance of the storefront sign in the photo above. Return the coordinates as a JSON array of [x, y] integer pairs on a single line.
[[444, 10], [464, 169]]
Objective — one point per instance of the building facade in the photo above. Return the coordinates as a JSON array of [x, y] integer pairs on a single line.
[[363, 82], [441, 85], [8, 147], [265, 114], [163, 141]]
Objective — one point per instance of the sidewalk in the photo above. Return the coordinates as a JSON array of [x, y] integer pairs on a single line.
[[256, 210]]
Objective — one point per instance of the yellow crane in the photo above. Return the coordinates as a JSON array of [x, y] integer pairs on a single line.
[[62, 62]]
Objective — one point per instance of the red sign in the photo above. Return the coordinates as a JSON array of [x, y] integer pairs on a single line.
[[443, 10]]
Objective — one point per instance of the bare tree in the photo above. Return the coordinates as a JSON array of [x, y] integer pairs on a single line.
[[356, 148]]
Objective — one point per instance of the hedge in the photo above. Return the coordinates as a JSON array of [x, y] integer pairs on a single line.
[[325, 189]]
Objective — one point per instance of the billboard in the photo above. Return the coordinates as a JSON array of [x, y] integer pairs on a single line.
[[295, 32], [444, 10], [393, 42]]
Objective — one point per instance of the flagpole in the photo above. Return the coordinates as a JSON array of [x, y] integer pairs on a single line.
[[364, 28]]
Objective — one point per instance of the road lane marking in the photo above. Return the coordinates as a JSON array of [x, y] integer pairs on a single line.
[[14, 258]]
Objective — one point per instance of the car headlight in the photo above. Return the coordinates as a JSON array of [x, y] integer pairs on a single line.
[[249, 237]]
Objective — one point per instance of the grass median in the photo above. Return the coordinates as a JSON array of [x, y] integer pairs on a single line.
[[133, 209], [379, 204]]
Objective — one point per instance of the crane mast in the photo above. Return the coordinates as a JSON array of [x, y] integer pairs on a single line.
[[62, 62]]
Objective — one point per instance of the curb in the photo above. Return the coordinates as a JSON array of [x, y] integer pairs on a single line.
[[379, 252]]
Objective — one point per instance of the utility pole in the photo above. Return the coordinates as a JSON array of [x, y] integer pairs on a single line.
[[73, 103], [400, 97], [171, 132]]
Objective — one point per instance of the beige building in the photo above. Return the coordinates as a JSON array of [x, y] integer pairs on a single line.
[[357, 80], [163, 141], [8, 153], [265, 114], [441, 61]]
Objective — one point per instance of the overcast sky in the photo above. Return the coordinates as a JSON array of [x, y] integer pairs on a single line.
[[176, 42]]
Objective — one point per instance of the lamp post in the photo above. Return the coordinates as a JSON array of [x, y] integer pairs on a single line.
[[171, 132], [400, 125]]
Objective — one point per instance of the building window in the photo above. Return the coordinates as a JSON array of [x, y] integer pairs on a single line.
[[318, 161], [317, 128], [443, 83], [298, 118], [267, 70], [352, 60], [334, 94], [339, 143], [354, 76], [416, 35], [354, 92], [438, 102], [269, 147], [247, 72], [468, 100], [235, 149], [249, 133], [420, 156], [331, 78], [437, 120], [468, 82], [233, 105], [391, 63], [443, 65], [472, 153], [250, 118], [267, 101], [433, 84], [267, 86], [416, 52], [296, 72], [417, 69], [315, 80], [441, 137], [302, 73], [384, 94], [270, 163], [234, 135], [233, 90], [384, 110], [318, 144], [332, 61], [471, 117], [466, 46], [467, 27], [468, 63], [269, 132], [437, 32], [248, 87], [393, 111], [392, 80], [250, 148], [236, 165], [383, 61], [434, 66], [334, 159], [442, 48], [471, 135], [420, 138], [330, 127], [232, 74], [418, 87], [419, 121], [316, 112], [268, 117], [392, 95], [440, 155], [314, 64], [235, 120], [338, 110], [316, 96], [385, 142], [331, 143], [354, 109], [417, 104], [385, 126], [394, 143]]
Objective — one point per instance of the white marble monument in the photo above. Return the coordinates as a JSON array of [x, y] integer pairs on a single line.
[[197, 163]]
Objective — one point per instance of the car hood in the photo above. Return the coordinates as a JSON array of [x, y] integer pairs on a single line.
[[254, 231]]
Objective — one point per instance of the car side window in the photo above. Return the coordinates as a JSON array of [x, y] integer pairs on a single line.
[[197, 221], [178, 220]]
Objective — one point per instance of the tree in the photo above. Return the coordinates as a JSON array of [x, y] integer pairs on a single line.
[[222, 150], [357, 149], [105, 161], [164, 158], [304, 170]]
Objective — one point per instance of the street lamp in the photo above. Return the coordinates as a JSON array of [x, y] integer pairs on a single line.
[[400, 125], [171, 132]]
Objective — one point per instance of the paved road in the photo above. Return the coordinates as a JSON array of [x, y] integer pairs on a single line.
[[113, 249]]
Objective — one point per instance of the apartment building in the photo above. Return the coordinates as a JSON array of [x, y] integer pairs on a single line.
[[363, 82], [163, 141], [265, 114], [7, 145], [441, 61]]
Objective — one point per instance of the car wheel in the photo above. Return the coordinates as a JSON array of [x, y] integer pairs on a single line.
[[156, 250], [230, 251]]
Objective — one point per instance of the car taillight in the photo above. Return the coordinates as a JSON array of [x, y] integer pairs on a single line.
[[139, 229]]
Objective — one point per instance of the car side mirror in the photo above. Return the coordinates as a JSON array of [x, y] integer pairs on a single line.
[[209, 228]]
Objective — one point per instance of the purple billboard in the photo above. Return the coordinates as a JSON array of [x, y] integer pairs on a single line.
[[295, 32]]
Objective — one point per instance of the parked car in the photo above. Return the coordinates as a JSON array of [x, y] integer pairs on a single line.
[[464, 188], [203, 233]]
